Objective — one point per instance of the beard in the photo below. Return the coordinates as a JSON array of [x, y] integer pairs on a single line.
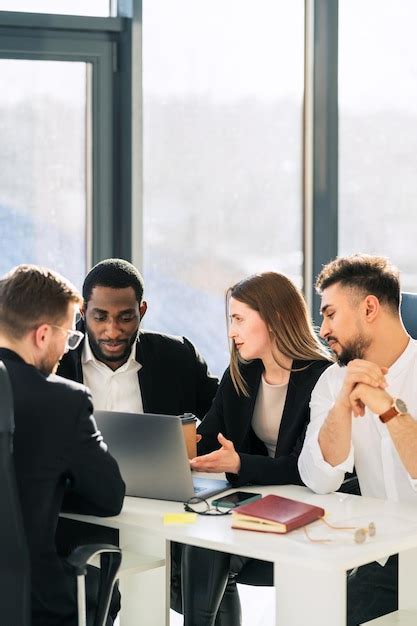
[[354, 349], [111, 358], [49, 364]]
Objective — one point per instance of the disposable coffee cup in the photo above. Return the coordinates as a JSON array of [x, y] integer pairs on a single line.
[[189, 424]]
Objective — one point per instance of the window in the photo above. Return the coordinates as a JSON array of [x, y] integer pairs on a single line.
[[44, 163], [98, 8], [58, 166], [378, 142], [223, 93]]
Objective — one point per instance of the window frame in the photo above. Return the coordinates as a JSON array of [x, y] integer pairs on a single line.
[[94, 41], [320, 180], [113, 45]]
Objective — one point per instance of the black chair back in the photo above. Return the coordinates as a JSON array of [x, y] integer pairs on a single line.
[[408, 310], [14, 555]]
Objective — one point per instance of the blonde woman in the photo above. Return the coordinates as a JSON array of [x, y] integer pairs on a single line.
[[255, 428]]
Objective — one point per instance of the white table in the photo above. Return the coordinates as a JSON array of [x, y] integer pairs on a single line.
[[310, 577]]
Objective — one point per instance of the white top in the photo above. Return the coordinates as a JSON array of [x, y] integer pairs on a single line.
[[380, 471], [112, 390], [267, 414]]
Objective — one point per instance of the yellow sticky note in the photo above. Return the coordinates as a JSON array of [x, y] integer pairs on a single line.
[[180, 518]]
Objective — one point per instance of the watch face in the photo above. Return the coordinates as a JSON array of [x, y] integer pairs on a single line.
[[401, 405]]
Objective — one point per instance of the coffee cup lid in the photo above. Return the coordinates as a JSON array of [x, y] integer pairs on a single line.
[[187, 418]]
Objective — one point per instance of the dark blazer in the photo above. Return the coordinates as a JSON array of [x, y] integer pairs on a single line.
[[57, 450], [173, 379], [231, 414]]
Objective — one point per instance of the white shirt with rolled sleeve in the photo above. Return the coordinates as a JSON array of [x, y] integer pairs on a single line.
[[380, 471]]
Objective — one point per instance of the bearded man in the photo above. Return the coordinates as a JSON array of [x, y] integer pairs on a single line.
[[363, 409]]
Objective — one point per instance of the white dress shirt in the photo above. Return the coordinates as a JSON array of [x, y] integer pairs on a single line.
[[112, 390], [380, 471]]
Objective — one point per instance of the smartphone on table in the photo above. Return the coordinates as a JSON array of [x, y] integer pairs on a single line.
[[236, 499]]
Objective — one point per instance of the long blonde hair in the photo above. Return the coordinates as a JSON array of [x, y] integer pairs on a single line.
[[282, 307]]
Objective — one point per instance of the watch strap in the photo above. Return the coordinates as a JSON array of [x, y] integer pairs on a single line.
[[398, 407], [388, 415]]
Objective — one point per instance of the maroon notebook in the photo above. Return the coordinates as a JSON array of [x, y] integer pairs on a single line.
[[275, 514]]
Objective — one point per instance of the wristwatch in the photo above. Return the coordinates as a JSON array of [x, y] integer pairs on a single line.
[[398, 407]]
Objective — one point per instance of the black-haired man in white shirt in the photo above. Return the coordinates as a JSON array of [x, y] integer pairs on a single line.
[[130, 369], [127, 368], [362, 413]]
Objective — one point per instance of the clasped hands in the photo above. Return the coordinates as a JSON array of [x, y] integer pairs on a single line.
[[225, 459], [365, 387]]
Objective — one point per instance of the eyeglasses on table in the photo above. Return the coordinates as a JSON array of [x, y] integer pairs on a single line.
[[202, 507]]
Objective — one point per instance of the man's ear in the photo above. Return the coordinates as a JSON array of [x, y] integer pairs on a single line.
[[83, 310], [143, 308], [372, 306], [40, 335]]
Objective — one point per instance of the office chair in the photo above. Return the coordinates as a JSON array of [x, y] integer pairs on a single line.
[[14, 554], [110, 559], [408, 309]]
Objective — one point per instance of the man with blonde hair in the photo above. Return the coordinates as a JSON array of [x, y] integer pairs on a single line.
[[60, 457]]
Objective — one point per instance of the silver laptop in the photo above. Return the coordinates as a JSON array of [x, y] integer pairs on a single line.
[[151, 453]]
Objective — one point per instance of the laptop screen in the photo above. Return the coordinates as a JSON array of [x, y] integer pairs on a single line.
[[151, 453]]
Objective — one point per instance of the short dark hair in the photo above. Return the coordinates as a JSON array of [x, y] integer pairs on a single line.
[[368, 274], [31, 295], [114, 273]]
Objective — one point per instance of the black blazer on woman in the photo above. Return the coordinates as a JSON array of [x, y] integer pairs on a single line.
[[231, 414]]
